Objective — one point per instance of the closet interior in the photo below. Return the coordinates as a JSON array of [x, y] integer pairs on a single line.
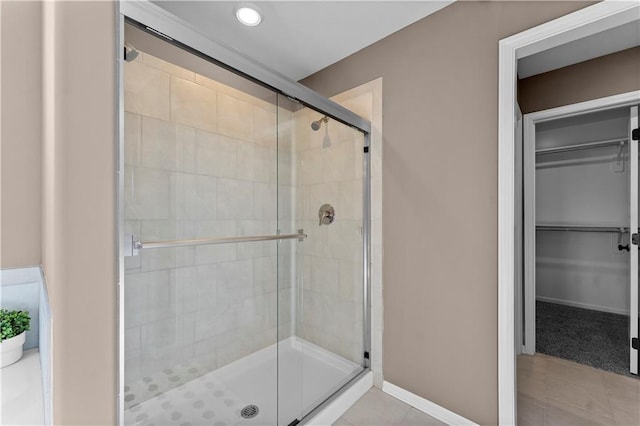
[[582, 239]]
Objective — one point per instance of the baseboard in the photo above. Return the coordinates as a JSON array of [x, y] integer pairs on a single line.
[[336, 408], [426, 406], [583, 305]]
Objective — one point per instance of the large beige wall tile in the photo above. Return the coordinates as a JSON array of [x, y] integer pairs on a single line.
[[159, 259], [265, 272], [195, 196], [310, 169], [158, 144], [168, 67], [216, 155], [146, 90], [132, 139], [167, 146], [265, 201], [339, 162], [267, 125], [235, 199], [146, 193], [235, 117], [260, 249], [351, 199], [258, 163], [193, 105]]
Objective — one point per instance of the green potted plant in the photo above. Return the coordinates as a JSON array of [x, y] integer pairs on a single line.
[[13, 327]]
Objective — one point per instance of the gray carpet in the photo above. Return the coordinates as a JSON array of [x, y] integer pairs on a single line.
[[594, 338]]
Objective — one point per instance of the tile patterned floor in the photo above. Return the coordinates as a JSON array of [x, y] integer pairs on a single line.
[[376, 408], [553, 391]]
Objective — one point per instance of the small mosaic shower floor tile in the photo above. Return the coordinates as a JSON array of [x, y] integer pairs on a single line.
[[202, 401]]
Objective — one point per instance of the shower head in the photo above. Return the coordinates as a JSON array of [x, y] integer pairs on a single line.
[[315, 125], [130, 53]]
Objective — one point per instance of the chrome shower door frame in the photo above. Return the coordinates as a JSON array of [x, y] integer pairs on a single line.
[[179, 33]]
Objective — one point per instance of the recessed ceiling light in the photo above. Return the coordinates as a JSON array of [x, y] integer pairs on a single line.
[[248, 16]]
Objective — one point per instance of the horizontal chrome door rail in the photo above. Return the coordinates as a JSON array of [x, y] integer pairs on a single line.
[[569, 228], [141, 245]]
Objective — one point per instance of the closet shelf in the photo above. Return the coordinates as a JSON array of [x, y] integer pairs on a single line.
[[581, 146], [581, 228]]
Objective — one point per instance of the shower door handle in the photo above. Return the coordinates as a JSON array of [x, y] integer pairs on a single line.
[[141, 245]]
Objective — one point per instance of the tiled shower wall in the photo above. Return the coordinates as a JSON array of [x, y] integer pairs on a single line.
[[330, 170], [200, 161]]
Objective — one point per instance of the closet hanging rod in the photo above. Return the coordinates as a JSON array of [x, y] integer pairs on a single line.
[[576, 228], [581, 146]]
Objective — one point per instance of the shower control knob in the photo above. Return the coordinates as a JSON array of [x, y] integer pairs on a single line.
[[326, 214]]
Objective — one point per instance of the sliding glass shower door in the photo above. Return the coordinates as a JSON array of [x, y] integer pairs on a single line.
[[321, 194], [201, 209], [244, 254]]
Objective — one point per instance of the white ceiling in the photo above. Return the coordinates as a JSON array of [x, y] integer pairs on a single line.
[[298, 38], [600, 44]]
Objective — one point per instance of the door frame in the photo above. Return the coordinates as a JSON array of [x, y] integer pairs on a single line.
[[582, 23], [529, 136], [633, 229]]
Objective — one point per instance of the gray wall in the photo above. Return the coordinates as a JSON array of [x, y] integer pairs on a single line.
[[58, 187], [597, 78], [21, 180], [440, 112], [79, 247]]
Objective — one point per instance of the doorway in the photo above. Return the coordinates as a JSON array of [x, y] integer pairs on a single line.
[[593, 20], [580, 303], [579, 287]]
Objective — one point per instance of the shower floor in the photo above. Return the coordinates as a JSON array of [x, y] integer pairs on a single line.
[[217, 398]]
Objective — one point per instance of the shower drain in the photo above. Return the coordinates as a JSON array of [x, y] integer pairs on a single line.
[[250, 411]]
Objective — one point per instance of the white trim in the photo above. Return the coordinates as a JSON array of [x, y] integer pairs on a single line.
[[336, 408], [633, 254], [590, 20], [506, 177], [426, 406], [519, 239], [594, 105], [583, 305], [582, 23], [529, 178]]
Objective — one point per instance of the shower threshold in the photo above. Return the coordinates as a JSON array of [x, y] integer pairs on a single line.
[[306, 372]]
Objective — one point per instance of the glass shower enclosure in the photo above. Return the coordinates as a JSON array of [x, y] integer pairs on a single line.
[[244, 245]]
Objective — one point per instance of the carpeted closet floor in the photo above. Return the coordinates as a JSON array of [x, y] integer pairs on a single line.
[[597, 339]]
